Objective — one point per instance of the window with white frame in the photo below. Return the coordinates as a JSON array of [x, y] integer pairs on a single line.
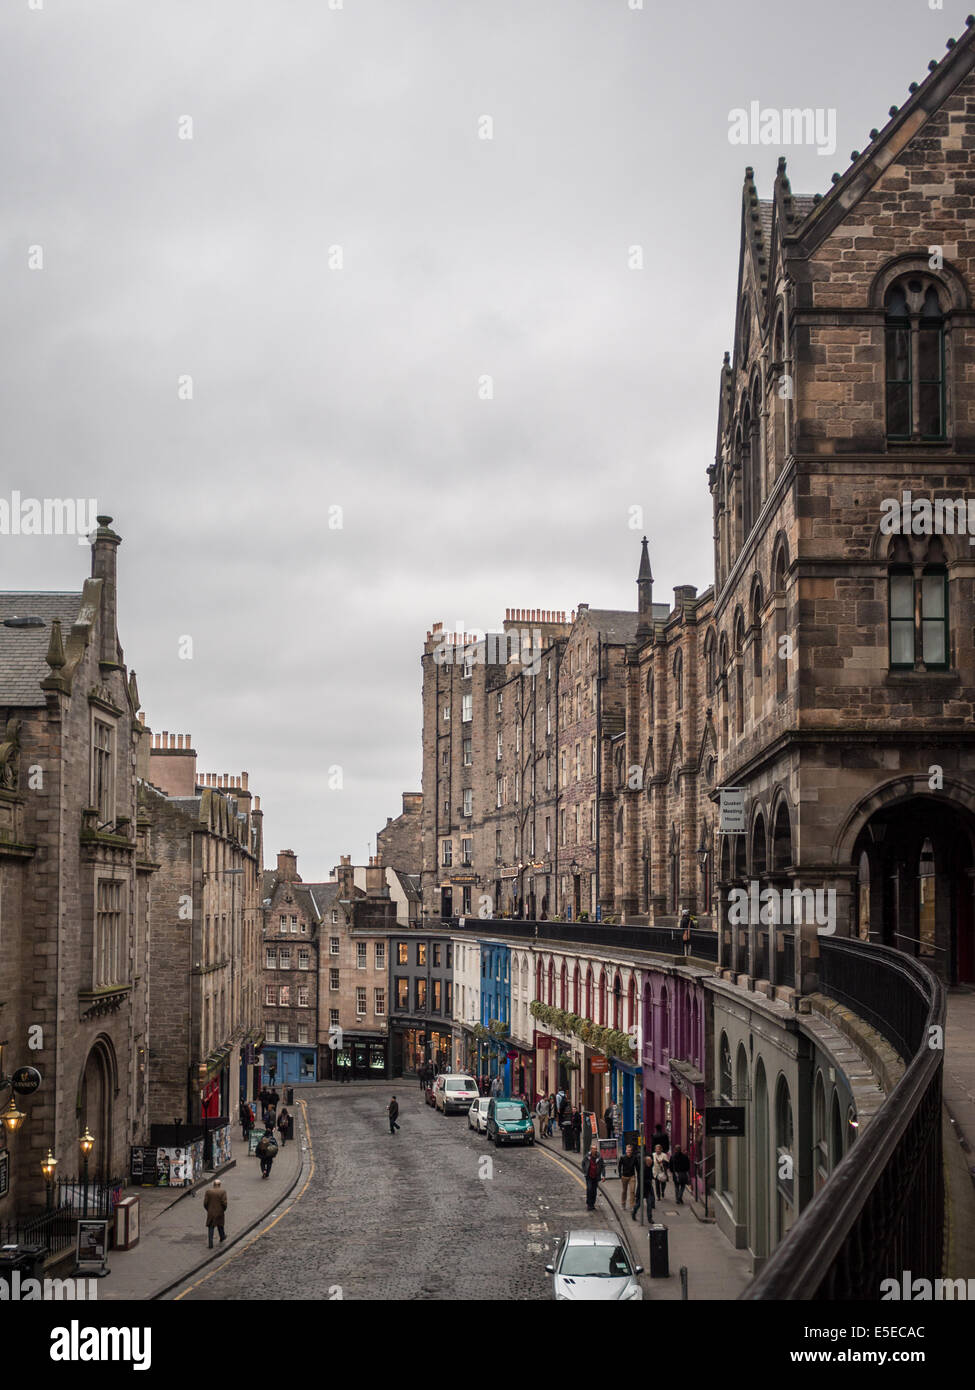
[[468, 801], [499, 780], [446, 711], [500, 747], [379, 996], [333, 979], [284, 957], [335, 915], [333, 945], [284, 997], [548, 713], [304, 958], [467, 747], [380, 955], [466, 708], [466, 850], [302, 996], [284, 923], [270, 958], [333, 1018], [271, 996], [302, 1032], [592, 754], [360, 1000], [284, 1033], [360, 955], [548, 834], [500, 700], [294, 923], [447, 853]]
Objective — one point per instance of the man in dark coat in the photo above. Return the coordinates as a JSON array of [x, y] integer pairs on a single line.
[[660, 1137], [392, 1110], [608, 1117], [267, 1150], [594, 1170], [215, 1205], [680, 1166]]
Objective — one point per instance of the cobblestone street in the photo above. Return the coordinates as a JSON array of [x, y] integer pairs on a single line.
[[409, 1216]]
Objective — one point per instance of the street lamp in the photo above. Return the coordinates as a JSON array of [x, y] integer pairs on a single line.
[[48, 1165], [86, 1143], [12, 1117]]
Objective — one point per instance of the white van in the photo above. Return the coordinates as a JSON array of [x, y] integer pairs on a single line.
[[454, 1092]]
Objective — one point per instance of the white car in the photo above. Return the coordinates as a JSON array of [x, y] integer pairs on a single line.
[[477, 1115], [454, 1091], [594, 1266]]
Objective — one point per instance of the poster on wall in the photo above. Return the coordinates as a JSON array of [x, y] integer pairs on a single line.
[[221, 1146]]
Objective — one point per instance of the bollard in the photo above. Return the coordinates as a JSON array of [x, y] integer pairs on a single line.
[[683, 1282]]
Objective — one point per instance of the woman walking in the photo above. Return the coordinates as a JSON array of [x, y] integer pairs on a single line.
[[661, 1167]]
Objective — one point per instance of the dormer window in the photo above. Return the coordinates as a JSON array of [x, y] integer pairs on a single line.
[[915, 352]]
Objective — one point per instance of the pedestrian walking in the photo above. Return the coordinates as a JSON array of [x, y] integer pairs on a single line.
[[594, 1170], [608, 1118], [272, 1101], [215, 1205], [392, 1110], [565, 1109], [551, 1116], [577, 1129], [685, 930], [648, 1196], [541, 1112], [680, 1166], [660, 1137], [284, 1124], [267, 1151], [661, 1167], [629, 1175], [246, 1119]]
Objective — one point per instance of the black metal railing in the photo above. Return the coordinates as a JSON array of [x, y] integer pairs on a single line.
[[54, 1229], [882, 1211], [665, 941], [102, 1196]]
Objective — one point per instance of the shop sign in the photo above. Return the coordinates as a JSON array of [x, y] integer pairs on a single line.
[[732, 813], [598, 1064], [4, 1172], [724, 1121], [92, 1247], [25, 1080], [543, 1041]]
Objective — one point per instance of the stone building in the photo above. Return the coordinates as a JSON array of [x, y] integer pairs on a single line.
[[353, 1004], [205, 1006], [399, 845], [296, 922], [844, 585], [75, 872], [421, 991]]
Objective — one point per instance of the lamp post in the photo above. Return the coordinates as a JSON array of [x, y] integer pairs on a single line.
[[48, 1166], [86, 1143], [12, 1117]]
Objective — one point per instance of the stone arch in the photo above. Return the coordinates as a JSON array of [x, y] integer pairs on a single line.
[[97, 1088], [758, 841], [782, 846], [947, 278], [890, 793]]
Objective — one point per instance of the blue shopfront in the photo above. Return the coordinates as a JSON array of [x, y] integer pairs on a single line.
[[496, 1009], [291, 1065], [626, 1090]]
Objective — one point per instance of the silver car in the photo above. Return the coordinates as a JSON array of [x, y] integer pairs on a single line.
[[477, 1115], [595, 1265]]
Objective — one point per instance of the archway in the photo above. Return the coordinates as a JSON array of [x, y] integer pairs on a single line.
[[760, 1243], [96, 1101], [915, 861]]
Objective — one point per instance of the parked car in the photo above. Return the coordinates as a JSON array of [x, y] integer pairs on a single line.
[[509, 1122], [594, 1266], [454, 1092], [428, 1093], [477, 1115]]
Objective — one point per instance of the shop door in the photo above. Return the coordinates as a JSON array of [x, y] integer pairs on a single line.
[[360, 1066]]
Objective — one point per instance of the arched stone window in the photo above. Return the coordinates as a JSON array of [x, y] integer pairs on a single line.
[[915, 357], [918, 608], [739, 674], [780, 658], [575, 989], [678, 679], [781, 838], [709, 673]]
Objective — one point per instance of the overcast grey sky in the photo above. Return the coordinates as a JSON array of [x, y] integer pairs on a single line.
[[358, 127]]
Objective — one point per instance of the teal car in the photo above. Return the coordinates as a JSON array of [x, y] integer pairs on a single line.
[[509, 1122]]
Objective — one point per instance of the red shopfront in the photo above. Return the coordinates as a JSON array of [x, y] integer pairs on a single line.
[[688, 1099]]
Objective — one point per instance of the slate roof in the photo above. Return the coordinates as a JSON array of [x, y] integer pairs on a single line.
[[410, 884], [23, 649], [615, 624]]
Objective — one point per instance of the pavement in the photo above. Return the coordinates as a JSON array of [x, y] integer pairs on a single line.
[[173, 1242], [958, 1095], [714, 1269]]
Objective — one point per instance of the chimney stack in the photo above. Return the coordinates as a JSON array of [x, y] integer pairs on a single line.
[[288, 866]]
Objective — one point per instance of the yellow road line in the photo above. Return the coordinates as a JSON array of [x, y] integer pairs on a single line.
[[270, 1226], [564, 1166]]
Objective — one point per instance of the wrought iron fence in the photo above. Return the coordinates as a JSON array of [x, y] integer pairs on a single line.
[[55, 1229], [882, 1211], [103, 1196], [666, 941]]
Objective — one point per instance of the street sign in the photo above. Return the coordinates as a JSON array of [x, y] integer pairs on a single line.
[[26, 1080], [724, 1121], [731, 819]]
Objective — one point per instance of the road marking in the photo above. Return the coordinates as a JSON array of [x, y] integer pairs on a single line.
[[253, 1240], [552, 1159]]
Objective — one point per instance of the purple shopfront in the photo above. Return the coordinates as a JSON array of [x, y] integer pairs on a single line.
[[674, 1060]]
